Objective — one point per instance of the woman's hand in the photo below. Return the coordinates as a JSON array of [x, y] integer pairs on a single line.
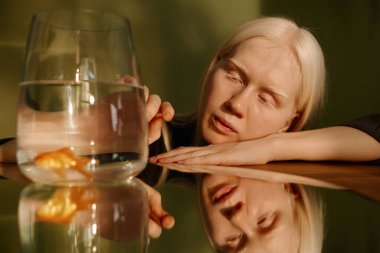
[[249, 152], [156, 112], [158, 217]]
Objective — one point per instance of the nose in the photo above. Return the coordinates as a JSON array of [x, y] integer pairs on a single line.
[[239, 218], [238, 103], [236, 214]]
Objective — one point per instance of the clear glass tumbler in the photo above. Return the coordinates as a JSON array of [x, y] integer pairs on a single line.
[[97, 217], [81, 112]]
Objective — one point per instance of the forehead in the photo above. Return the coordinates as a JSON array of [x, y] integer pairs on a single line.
[[260, 46], [273, 59]]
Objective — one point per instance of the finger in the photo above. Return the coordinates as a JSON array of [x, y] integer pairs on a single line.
[[157, 214], [205, 159], [167, 221], [146, 93], [177, 151], [172, 157], [167, 111], [155, 205], [154, 229], [127, 80], [183, 153], [154, 132], [130, 79], [153, 105]]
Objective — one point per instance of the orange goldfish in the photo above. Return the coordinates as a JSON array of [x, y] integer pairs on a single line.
[[65, 203], [62, 159]]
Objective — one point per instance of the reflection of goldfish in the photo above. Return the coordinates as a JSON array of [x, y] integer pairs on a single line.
[[65, 203], [62, 159]]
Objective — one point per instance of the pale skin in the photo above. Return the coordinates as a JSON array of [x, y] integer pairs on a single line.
[[247, 107], [249, 215]]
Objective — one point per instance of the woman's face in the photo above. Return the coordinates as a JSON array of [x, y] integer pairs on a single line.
[[247, 215], [250, 93]]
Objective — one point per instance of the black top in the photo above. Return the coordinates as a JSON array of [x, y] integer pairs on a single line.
[[369, 124]]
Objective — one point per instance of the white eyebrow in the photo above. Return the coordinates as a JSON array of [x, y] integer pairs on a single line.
[[269, 87]]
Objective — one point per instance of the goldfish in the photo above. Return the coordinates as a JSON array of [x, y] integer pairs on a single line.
[[61, 160], [65, 203]]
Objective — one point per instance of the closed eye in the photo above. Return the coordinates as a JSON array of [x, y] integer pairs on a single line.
[[234, 72], [266, 98], [266, 221], [235, 78], [234, 240]]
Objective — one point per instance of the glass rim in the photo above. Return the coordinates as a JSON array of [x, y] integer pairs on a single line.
[[67, 19]]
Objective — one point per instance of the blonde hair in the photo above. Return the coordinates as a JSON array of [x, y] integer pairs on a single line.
[[306, 50], [309, 214]]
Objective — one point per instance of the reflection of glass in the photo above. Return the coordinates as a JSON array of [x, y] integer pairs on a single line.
[[81, 112], [100, 217], [253, 215]]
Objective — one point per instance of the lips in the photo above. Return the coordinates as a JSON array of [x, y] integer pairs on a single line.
[[223, 126], [223, 193]]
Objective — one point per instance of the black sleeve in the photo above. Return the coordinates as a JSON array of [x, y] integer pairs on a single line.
[[369, 124], [152, 172]]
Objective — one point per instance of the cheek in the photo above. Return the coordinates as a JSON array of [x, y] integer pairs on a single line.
[[209, 98], [214, 89], [211, 219], [266, 121], [217, 229]]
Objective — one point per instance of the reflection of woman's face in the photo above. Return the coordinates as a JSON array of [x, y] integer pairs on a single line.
[[248, 215], [251, 93]]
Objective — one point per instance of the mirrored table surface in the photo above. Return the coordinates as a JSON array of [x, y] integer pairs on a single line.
[[236, 209]]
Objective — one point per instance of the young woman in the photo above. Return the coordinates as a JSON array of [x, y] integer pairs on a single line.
[[252, 215], [263, 85]]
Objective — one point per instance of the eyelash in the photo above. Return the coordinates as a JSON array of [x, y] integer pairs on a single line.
[[266, 99], [266, 221], [234, 78], [269, 101]]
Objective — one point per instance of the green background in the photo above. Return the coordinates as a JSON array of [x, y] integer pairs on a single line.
[[174, 40]]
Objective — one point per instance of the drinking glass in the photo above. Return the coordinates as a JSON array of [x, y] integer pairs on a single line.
[[81, 112], [95, 218]]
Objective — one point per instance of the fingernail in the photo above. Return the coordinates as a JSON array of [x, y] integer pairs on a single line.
[[167, 114], [163, 160]]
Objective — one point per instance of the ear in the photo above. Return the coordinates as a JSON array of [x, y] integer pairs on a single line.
[[289, 123]]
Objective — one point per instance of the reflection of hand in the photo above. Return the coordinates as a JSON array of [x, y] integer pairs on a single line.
[[157, 112], [158, 217], [233, 153]]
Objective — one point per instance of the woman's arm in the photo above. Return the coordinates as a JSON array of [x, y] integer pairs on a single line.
[[358, 140], [340, 143]]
